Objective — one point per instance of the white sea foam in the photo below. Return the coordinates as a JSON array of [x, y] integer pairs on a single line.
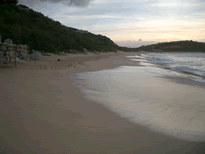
[[143, 96], [188, 63]]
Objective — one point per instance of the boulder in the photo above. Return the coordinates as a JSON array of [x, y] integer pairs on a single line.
[[17, 59], [10, 48], [36, 55], [1, 53], [22, 50], [20, 46], [25, 47], [3, 47], [73, 51], [8, 41], [13, 51]]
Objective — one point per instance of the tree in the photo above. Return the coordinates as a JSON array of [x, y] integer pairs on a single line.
[[2, 2], [11, 1]]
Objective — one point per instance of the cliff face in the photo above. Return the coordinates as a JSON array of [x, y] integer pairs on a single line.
[[26, 26]]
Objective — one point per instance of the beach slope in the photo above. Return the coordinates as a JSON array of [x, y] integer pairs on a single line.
[[41, 111]]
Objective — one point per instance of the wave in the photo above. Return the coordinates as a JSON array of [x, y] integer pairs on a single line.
[[192, 65]]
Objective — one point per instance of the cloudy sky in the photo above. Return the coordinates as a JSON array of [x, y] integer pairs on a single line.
[[130, 23]]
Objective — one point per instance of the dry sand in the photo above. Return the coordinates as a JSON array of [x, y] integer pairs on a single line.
[[41, 112], [66, 61]]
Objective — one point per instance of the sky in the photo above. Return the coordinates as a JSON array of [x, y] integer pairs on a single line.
[[129, 23]]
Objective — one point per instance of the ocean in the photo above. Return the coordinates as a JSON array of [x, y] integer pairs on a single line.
[[188, 63], [152, 94]]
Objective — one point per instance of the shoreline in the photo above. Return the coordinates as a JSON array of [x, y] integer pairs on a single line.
[[183, 74], [43, 112], [67, 61]]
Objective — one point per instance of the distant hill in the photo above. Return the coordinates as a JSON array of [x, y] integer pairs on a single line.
[[26, 26], [185, 46]]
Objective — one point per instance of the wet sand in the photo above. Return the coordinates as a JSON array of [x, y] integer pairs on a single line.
[[43, 112]]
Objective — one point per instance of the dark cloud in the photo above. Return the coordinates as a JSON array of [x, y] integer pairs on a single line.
[[81, 3], [77, 3], [117, 8], [140, 40]]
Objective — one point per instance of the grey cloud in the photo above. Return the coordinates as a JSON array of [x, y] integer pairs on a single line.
[[77, 3], [140, 40], [103, 13], [81, 3], [122, 29], [135, 44], [116, 8]]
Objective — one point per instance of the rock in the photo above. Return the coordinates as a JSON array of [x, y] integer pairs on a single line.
[[21, 46], [35, 56], [25, 47], [3, 47], [73, 51], [10, 48], [1, 53], [17, 59], [22, 51], [8, 41]]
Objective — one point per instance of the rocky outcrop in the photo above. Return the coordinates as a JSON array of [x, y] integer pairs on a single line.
[[13, 47], [22, 50], [3, 47], [35, 55]]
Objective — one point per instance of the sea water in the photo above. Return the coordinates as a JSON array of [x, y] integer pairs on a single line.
[[143, 95], [189, 63]]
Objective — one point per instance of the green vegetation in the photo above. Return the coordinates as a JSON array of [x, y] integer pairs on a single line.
[[126, 49], [185, 46], [8, 1], [46, 35]]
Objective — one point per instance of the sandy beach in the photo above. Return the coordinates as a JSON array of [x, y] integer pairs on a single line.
[[42, 111]]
